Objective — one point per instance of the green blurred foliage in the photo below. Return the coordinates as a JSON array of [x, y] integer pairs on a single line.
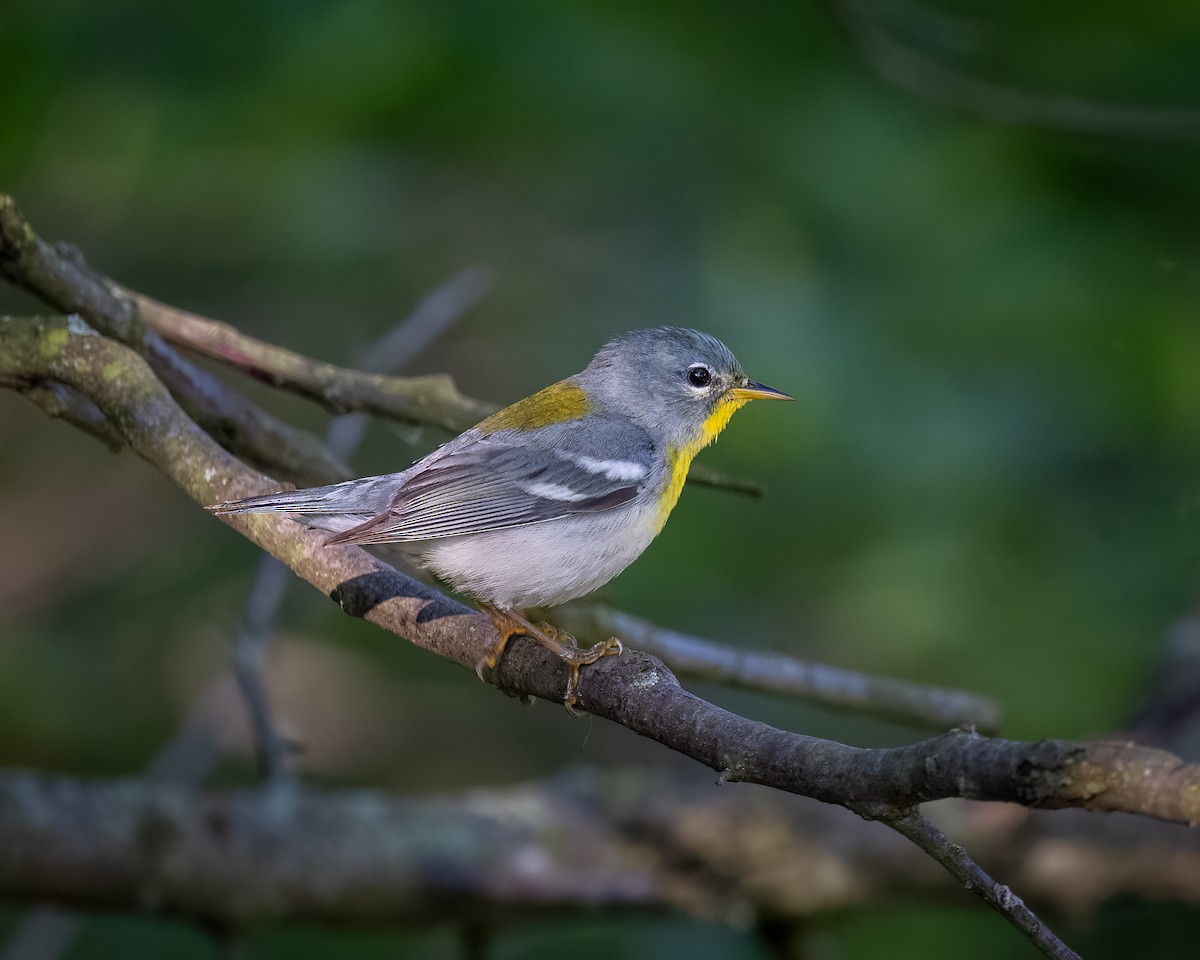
[[990, 479]]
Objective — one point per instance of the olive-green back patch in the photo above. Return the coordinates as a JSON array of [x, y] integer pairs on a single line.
[[558, 403]]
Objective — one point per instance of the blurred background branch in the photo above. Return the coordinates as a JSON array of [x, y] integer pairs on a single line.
[[861, 23], [236, 858], [398, 347], [910, 703]]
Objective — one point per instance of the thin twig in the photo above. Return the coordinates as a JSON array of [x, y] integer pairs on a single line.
[[248, 655], [426, 400], [974, 878], [63, 404], [399, 346], [919, 74], [58, 275], [887, 697], [406, 341], [426, 322]]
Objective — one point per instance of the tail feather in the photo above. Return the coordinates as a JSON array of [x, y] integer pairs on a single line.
[[369, 496]]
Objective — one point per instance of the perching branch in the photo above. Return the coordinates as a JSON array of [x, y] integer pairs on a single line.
[[635, 689]]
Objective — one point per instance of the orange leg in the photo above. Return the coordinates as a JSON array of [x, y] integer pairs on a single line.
[[508, 623]]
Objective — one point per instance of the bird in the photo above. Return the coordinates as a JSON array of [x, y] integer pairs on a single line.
[[552, 497]]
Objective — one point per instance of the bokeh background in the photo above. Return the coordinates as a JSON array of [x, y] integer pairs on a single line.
[[990, 479]]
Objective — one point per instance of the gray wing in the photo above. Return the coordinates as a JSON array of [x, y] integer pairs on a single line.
[[482, 482]]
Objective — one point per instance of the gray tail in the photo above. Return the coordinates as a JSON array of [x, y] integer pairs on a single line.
[[369, 496]]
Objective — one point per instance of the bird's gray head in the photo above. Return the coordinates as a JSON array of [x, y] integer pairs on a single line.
[[681, 384]]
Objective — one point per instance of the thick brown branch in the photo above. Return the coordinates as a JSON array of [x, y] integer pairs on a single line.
[[243, 427], [635, 689]]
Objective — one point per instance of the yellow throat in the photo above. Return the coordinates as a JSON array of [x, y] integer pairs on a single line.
[[679, 459]]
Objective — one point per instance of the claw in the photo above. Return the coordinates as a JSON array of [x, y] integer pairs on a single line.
[[505, 629], [563, 645], [558, 636]]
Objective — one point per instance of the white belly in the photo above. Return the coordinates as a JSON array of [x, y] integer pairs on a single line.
[[543, 564]]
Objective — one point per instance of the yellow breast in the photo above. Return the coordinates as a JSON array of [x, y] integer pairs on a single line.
[[679, 459]]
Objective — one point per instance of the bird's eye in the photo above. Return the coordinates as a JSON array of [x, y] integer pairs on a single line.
[[699, 375]]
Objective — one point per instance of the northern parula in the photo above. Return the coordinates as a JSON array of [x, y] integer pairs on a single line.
[[552, 497]]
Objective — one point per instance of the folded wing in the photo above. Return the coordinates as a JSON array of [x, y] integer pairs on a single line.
[[480, 483]]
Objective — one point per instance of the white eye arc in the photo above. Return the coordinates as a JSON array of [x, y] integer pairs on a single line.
[[699, 376]]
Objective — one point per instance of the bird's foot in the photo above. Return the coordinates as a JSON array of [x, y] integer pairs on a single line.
[[567, 649], [561, 644], [506, 629]]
